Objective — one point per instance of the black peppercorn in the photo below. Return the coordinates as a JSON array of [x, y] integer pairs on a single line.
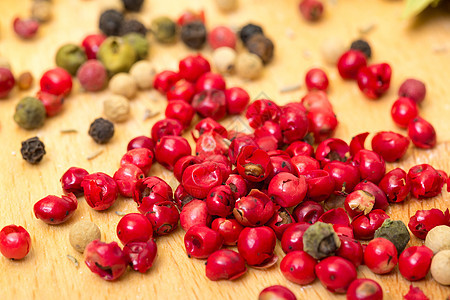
[[129, 26], [101, 130], [248, 31], [133, 5], [110, 22], [193, 34], [260, 45], [363, 46], [33, 150]]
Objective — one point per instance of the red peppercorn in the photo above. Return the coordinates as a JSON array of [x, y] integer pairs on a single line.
[[211, 143], [164, 217], [193, 66], [55, 210], [209, 124], [300, 148], [280, 221], [415, 262], [222, 36], [141, 158], [303, 164], [332, 149], [71, 180], [351, 250], [316, 79], [370, 164], [183, 163], [181, 197], [229, 229], [199, 179], [364, 226], [396, 185], [359, 202], [311, 10], [92, 75], [149, 191], [181, 90], [237, 144], [308, 212], [345, 176], [225, 264], [166, 127], [322, 124], [262, 110], [350, 63], [210, 103], [336, 273], [141, 142], [127, 177], [320, 185], [25, 28], [238, 185], [357, 143], [422, 133], [292, 239], [256, 245], [236, 100], [413, 89], [7, 82], [105, 259], [56, 81], [169, 149], [220, 201], [255, 209], [141, 254], [316, 100], [276, 292], [381, 201], [134, 228], [298, 267], [374, 80], [344, 231], [425, 220], [165, 80], [426, 182], [380, 256], [15, 242], [190, 16], [53, 103], [390, 145], [364, 289], [92, 43], [210, 81], [335, 216], [403, 111], [100, 190], [201, 241], [194, 213], [293, 122], [254, 164], [287, 190], [269, 130], [181, 111]]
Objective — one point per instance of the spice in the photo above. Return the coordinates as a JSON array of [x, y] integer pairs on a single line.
[[363, 46], [116, 108], [248, 65], [7, 82], [94, 154], [224, 60], [30, 113], [25, 28], [25, 81], [193, 34], [70, 57], [332, 49], [110, 22], [248, 31], [227, 5], [222, 36], [394, 231], [261, 46], [129, 26], [438, 238], [41, 10], [15, 242], [123, 84], [143, 73], [440, 266], [139, 43], [311, 10], [101, 130], [320, 240], [68, 130], [33, 150], [164, 29], [92, 75], [82, 233], [133, 5], [116, 55]]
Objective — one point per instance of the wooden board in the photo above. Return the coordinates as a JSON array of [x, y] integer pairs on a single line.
[[46, 273]]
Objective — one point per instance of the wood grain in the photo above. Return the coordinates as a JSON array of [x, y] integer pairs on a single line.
[[46, 273]]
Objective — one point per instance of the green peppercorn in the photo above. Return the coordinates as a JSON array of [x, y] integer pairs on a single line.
[[33, 150], [261, 46], [70, 57], [320, 240], [139, 43], [396, 232], [30, 113], [164, 29], [116, 55], [193, 34], [101, 130]]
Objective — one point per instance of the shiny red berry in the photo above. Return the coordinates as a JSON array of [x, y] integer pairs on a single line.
[[7, 82], [322, 124], [164, 217], [229, 229], [292, 239], [92, 43], [300, 148], [415, 262], [183, 163], [100, 190], [257, 245], [332, 149], [15, 242], [254, 164], [293, 122], [316, 79], [425, 220], [193, 66], [298, 267], [56, 81], [211, 143], [380, 256], [141, 158], [374, 80], [311, 10], [308, 212], [71, 180], [364, 289], [422, 133], [426, 182], [141, 255], [55, 210], [345, 176], [255, 209], [141, 141], [194, 213], [287, 190], [403, 111], [236, 100], [336, 273], [210, 81], [165, 80], [53, 103], [381, 201], [181, 90], [166, 127], [335, 216], [170, 149], [210, 103], [201, 241], [181, 111], [222, 36], [276, 292], [390, 145], [370, 164], [126, 177], [262, 110], [320, 185], [105, 259], [303, 164], [238, 185], [225, 264], [351, 250], [280, 221], [134, 227], [149, 191], [359, 202], [350, 63], [199, 179], [220, 201], [364, 226], [396, 185], [413, 89], [208, 124]]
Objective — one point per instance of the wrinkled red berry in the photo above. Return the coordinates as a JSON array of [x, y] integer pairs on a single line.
[[71, 180], [415, 262], [225, 264], [211, 143], [280, 221], [345, 176], [374, 80], [255, 209], [105, 259], [336, 273], [381, 201], [262, 110], [335, 216], [422, 133], [322, 123], [359, 202], [332, 149], [199, 179], [403, 111], [292, 239], [180, 110], [415, 293], [293, 122], [311, 10], [169, 149], [425, 220], [149, 191], [300, 148], [229, 229], [298, 267], [364, 226], [357, 143], [134, 228], [364, 289], [413, 89], [426, 182], [308, 212], [210, 103], [100, 190], [287, 190], [254, 164], [201, 241], [194, 213], [15, 242], [350, 63], [166, 127], [380, 256], [55, 210], [320, 185], [303, 164], [183, 163], [236, 100], [257, 245], [164, 217], [238, 185], [316, 79], [181, 197], [396, 185], [126, 178], [56, 81], [220, 201], [276, 292], [390, 145], [164, 80], [141, 255]]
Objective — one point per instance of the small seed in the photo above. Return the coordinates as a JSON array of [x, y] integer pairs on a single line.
[[148, 114], [120, 213], [94, 154], [73, 260], [290, 88], [69, 130]]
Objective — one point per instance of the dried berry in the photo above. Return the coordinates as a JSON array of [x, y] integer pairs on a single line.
[[7, 82], [133, 5], [101, 130], [143, 73], [364, 289], [362, 46], [123, 84], [336, 273], [249, 65], [193, 34], [414, 263], [311, 10], [164, 29], [141, 254], [25, 28], [224, 60], [110, 22], [413, 89], [41, 11], [56, 81], [440, 266], [15, 242], [139, 43], [24, 81], [71, 180], [394, 231], [129, 26], [55, 210], [33, 150], [30, 113], [70, 57], [82, 233], [92, 75], [116, 55], [320, 240], [106, 259], [438, 238], [116, 108], [262, 46], [248, 31]]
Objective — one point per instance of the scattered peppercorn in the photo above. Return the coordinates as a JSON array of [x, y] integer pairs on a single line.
[[396, 232], [110, 22], [30, 113], [261, 46], [164, 29], [438, 238], [224, 60], [139, 43], [24, 81], [193, 34], [320, 240], [116, 55], [25, 28], [133, 5], [143, 73], [248, 65], [363, 46], [123, 84], [4, 63], [41, 10], [70, 57], [331, 49], [248, 31], [82, 233], [129, 26], [33, 150], [440, 266], [116, 108], [101, 130]]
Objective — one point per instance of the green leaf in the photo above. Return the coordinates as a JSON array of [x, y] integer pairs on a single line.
[[414, 7]]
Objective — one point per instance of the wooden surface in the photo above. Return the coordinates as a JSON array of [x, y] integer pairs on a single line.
[[46, 273]]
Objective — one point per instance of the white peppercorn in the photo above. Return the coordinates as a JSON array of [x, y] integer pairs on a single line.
[[82, 233], [331, 49], [227, 5], [224, 60], [438, 238], [248, 65], [440, 266], [143, 73], [41, 10], [116, 108], [123, 84]]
